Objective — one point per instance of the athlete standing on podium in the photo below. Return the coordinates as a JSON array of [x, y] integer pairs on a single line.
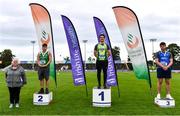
[[164, 62], [102, 52], [43, 60]]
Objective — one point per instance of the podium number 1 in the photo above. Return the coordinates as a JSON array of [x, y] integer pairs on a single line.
[[102, 95], [40, 98]]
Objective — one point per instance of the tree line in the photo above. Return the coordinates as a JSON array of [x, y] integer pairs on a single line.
[[6, 55]]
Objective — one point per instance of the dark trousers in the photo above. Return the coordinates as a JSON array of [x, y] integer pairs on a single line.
[[14, 93], [101, 65]]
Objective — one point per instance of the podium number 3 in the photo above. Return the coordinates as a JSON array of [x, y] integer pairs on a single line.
[[40, 98], [102, 95], [168, 103]]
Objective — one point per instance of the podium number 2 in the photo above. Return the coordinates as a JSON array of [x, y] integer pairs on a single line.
[[102, 95], [168, 103], [40, 98]]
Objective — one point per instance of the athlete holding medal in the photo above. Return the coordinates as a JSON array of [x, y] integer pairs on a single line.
[[43, 60], [164, 61]]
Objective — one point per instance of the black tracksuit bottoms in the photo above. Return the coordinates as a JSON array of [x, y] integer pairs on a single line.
[[14, 93], [101, 65]]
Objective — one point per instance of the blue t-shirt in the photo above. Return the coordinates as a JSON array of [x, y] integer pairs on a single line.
[[164, 57]]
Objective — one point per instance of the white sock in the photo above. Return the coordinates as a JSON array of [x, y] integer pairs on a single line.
[[158, 96], [168, 95]]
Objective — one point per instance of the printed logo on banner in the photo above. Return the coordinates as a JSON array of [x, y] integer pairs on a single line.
[[111, 81], [45, 37], [132, 41], [79, 80]]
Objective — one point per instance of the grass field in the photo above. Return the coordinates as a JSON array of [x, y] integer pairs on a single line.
[[135, 97]]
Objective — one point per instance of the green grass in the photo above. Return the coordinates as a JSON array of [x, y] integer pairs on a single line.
[[68, 99]]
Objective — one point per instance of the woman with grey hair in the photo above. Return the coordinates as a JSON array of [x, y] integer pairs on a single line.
[[15, 79]]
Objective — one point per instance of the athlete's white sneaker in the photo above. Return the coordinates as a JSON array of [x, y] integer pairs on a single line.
[[17, 105], [11, 106], [158, 96], [168, 96]]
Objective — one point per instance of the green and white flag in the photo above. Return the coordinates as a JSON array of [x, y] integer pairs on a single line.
[[42, 21], [130, 29]]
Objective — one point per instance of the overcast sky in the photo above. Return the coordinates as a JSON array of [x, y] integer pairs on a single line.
[[158, 19]]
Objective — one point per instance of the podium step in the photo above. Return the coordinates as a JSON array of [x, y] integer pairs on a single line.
[[101, 97], [42, 99]]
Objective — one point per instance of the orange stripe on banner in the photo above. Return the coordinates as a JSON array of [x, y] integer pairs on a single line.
[[39, 14], [124, 17]]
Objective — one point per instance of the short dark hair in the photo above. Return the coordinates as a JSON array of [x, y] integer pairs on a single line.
[[101, 35], [162, 43], [44, 45]]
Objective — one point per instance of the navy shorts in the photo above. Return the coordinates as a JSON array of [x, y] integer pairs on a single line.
[[43, 73], [163, 74]]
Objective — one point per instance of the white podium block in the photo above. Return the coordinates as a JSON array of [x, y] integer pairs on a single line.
[[101, 97], [165, 103], [42, 99]]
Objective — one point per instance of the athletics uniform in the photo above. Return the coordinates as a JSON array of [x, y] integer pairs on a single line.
[[43, 72], [102, 61], [164, 59]]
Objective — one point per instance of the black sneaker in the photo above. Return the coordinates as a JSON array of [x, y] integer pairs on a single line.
[[105, 87], [47, 91], [99, 87], [41, 91]]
